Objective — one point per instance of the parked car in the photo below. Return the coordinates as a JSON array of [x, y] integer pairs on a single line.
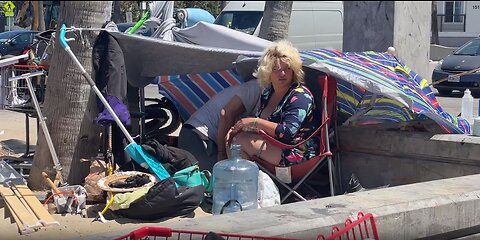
[[313, 24], [465, 58], [16, 41]]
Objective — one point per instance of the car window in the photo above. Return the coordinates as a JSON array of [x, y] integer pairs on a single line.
[[244, 21], [7, 35], [24, 38], [470, 48]]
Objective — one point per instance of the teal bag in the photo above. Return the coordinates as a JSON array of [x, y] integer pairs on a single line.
[[192, 176]]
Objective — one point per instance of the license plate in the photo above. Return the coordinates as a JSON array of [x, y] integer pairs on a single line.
[[453, 78]]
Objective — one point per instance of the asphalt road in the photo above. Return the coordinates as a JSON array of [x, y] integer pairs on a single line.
[[453, 103]]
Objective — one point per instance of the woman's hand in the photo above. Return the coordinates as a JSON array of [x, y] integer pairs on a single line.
[[229, 137], [245, 124]]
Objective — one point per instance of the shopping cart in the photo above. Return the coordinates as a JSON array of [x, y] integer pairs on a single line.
[[358, 229], [168, 233], [16, 96]]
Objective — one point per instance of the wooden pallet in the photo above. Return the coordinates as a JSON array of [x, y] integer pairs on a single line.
[[27, 211]]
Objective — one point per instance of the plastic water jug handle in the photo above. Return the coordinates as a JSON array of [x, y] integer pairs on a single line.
[[231, 201]]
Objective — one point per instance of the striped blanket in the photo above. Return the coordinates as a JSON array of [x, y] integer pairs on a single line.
[[190, 91]]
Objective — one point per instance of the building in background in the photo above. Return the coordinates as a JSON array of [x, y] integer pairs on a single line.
[[458, 22]]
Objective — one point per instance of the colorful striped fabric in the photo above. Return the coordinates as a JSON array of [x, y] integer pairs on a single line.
[[372, 88], [190, 91], [398, 93]]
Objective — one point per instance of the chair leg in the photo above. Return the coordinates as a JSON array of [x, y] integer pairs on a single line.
[[283, 184], [312, 189], [309, 173], [338, 173], [293, 190], [337, 160], [330, 175]]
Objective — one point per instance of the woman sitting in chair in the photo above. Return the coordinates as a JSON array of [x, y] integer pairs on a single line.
[[287, 111]]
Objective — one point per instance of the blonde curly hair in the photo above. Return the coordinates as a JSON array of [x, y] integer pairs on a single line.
[[282, 51]]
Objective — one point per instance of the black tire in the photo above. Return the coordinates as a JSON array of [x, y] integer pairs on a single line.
[[444, 92], [156, 126], [476, 94]]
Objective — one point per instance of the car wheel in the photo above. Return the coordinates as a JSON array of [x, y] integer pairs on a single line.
[[444, 92], [476, 94]]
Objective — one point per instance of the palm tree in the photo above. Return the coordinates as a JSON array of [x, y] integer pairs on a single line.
[[117, 12], [223, 4], [69, 105], [276, 19]]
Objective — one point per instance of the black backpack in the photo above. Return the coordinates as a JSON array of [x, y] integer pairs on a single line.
[[164, 199], [173, 159]]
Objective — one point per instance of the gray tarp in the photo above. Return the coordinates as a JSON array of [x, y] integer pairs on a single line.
[[211, 48]]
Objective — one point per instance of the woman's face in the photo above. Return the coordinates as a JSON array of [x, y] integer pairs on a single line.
[[282, 75]]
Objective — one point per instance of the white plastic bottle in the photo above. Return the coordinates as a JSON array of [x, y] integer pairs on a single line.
[[476, 126], [476, 123], [467, 106]]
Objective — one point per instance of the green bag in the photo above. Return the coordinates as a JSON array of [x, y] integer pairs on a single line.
[[192, 176]]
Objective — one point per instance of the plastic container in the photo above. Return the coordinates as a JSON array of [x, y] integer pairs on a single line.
[[7, 172], [467, 106], [476, 127], [235, 184]]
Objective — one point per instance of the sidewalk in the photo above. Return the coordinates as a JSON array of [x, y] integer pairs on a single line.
[[12, 137], [13, 131]]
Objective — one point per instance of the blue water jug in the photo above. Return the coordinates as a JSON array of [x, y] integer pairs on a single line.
[[235, 184]]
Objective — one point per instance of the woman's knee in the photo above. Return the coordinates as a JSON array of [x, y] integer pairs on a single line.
[[242, 139], [251, 143]]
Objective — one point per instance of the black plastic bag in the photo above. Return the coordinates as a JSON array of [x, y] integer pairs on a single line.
[[163, 200]]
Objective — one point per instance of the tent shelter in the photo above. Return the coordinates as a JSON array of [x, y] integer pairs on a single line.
[[372, 87]]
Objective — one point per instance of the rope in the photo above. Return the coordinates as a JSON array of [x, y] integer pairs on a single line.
[[454, 75]]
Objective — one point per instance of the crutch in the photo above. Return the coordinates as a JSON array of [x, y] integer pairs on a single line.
[[27, 77]]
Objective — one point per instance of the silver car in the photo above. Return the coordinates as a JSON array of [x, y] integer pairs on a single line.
[[465, 58]]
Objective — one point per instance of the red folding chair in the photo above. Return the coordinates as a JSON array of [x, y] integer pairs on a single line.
[[318, 83]]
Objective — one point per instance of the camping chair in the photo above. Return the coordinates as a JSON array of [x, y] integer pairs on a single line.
[[326, 86]]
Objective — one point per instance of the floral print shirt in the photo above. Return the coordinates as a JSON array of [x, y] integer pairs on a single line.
[[297, 118]]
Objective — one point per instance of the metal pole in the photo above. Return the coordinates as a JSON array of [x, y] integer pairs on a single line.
[[43, 124], [327, 148]]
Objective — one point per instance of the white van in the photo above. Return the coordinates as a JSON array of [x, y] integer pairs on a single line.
[[312, 24]]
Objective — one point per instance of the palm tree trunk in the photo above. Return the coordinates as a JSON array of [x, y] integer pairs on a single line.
[[223, 4], [117, 12], [276, 19], [41, 17], [69, 105]]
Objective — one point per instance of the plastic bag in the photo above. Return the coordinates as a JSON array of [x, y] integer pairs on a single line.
[[268, 194]]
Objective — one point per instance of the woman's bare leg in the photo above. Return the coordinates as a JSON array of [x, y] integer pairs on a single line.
[[253, 144]]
